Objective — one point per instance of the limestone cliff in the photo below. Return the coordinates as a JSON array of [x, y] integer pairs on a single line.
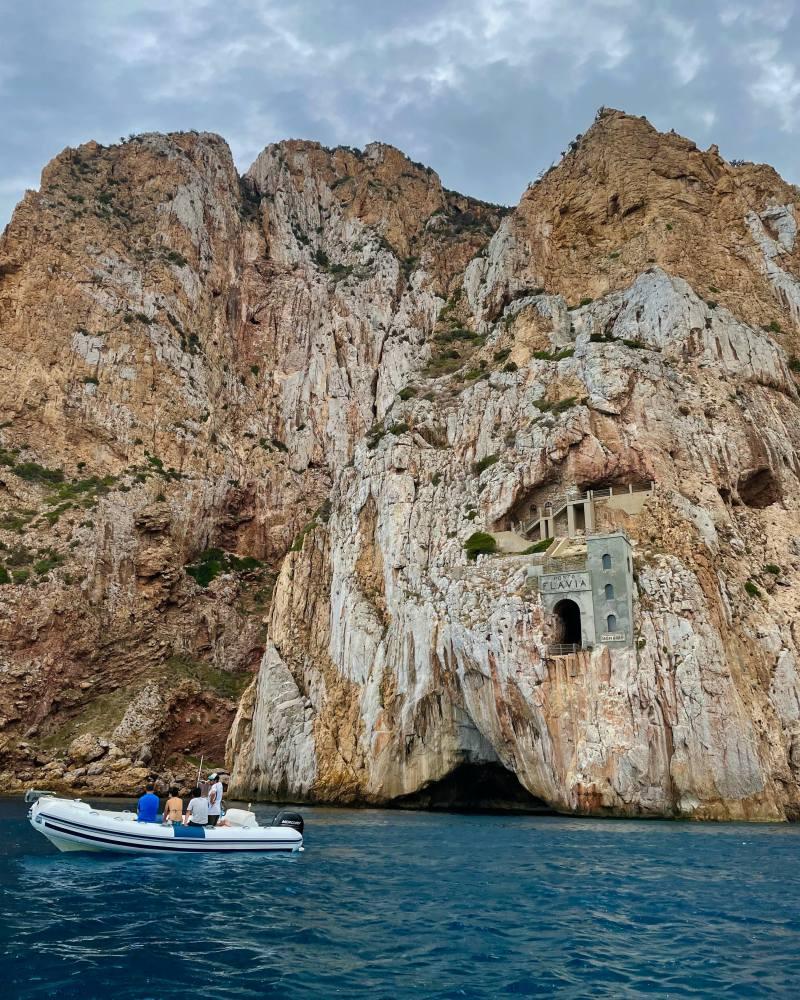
[[249, 423]]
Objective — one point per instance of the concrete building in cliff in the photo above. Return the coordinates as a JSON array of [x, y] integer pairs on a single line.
[[589, 593], [585, 577]]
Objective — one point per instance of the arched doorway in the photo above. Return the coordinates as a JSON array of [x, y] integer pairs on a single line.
[[568, 623]]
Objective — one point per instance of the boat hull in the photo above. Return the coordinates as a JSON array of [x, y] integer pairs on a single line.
[[75, 826]]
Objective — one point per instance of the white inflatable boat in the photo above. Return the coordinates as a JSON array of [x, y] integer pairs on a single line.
[[72, 825]]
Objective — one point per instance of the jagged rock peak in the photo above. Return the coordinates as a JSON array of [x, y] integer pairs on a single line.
[[258, 425], [625, 198]]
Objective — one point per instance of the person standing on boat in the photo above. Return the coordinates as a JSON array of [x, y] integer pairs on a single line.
[[173, 810], [197, 810], [148, 805], [214, 799]]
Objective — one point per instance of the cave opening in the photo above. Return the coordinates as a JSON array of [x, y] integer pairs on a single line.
[[759, 488], [475, 788], [568, 623], [618, 483], [524, 508]]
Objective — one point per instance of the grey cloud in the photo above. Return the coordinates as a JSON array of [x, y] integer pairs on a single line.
[[488, 92]]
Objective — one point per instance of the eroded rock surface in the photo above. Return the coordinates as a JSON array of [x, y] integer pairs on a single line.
[[248, 424]]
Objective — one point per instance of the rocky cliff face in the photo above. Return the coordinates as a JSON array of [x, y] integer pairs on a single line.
[[248, 424]]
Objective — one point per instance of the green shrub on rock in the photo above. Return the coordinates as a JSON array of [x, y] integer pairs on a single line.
[[480, 543], [541, 546], [484, 463], [209, 566], [32, 472], [212, 562]]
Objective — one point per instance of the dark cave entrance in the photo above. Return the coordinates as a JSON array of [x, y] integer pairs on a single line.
[[619, 484], [568, 623], [475, 788], [758, 489]]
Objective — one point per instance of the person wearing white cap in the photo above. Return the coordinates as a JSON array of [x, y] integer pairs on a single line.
[[214, 799]]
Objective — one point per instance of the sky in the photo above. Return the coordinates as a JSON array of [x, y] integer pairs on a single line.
[[487, 92]]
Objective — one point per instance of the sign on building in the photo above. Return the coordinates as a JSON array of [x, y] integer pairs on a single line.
[[562, 583]]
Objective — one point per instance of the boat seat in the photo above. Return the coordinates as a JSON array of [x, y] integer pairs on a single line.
[[189, 832]]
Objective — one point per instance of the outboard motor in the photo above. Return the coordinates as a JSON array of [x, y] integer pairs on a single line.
[[287, 818]]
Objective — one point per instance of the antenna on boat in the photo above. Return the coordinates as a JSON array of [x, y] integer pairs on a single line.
[[200, 769]]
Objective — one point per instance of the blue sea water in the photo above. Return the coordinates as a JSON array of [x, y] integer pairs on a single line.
[[387, 904]]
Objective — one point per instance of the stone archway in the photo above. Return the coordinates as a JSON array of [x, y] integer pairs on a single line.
[[567, 616]]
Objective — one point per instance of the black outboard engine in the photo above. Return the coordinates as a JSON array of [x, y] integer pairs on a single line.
[[287, 818]]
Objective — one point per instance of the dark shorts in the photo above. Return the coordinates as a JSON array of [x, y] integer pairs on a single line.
[[192, 823], [213, 820]]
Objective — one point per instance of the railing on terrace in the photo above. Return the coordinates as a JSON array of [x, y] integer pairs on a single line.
[[555, 505], [601, 493], [563, 648]]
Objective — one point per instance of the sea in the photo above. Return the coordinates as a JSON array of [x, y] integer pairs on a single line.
[[393, 904]]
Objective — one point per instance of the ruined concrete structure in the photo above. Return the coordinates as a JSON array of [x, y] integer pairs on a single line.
[[248, 424], [585, 577], [576, 513]]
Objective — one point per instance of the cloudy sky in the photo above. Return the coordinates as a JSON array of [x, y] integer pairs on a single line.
[[488, 92]]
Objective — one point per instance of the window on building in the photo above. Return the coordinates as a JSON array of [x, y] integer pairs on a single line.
[[606, 561], [611, 623], [609, 592]]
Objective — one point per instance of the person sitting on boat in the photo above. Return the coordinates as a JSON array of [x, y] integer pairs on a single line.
[[173, 810], [197, 810], [214, 799], [148, 805]]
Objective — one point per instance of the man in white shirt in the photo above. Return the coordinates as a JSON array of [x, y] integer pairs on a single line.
[[214, 799], [197, 810]]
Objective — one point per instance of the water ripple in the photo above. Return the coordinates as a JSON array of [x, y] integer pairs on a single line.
[[393, 905]]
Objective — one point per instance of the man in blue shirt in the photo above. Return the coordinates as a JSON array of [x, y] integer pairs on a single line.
[[148, 806]]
